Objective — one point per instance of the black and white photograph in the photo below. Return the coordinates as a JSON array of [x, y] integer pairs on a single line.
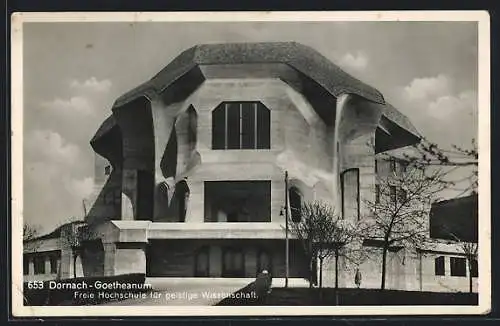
[[249, 163]]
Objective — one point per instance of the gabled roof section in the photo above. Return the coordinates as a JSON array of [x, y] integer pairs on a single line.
[[298, 56], [400, 119]]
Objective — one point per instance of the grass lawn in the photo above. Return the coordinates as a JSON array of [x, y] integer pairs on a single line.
[[353, 297]]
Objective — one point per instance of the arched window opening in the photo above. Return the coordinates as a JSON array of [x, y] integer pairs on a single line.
[[349, 180], [295, 203], [192, 126], [241, 125], [181, 196]]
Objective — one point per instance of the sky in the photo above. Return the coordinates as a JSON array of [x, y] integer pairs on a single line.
[[73, 72]]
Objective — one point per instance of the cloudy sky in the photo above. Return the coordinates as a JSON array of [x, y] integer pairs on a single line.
[[73, 72]]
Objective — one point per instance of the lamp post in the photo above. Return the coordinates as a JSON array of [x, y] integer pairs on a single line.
[[287, 248]]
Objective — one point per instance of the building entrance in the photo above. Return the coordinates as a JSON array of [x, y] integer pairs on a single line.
[[233, 263]]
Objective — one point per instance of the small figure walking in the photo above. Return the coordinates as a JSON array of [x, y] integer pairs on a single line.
[[357, 278], [263, 286]]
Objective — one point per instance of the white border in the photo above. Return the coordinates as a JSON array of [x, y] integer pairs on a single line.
[[482, 17]]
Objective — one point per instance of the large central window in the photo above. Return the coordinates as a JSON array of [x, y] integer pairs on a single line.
[[241, 125], [238, 201]]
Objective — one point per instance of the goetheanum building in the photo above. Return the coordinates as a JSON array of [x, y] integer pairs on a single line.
[[191, 164]]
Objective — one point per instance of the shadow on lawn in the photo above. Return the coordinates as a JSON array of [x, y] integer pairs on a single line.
[[349, 297]]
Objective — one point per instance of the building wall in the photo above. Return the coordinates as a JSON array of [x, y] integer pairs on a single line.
[[313, 153], [445, 283], [302, 150], [176, 258], [357, 121]]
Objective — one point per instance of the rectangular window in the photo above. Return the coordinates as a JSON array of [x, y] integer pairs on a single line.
[[248, 125], [458, 266], [219, 128], [26, 265], [474, 268], [403, 166], [263, 128], [393, 192], [237, 201], [39, 264], [439, 266], [377, 193], [402, 195], [393, 164], [233, 125], [54, 261], [241, 125]]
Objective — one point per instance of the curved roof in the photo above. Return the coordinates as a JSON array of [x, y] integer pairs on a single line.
[[300, 57], [303, 59]]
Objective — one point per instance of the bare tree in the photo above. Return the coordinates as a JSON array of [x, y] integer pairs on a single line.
[[399, 214], [73, 235], [470, 250], [30, 233], [324, 234], [427, 154]]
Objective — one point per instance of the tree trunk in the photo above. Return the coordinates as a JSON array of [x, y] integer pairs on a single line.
[[75, 255], [311, 270], [384, 262], [336, 269], [336, 277], [320, 280], [320, 273], [470, 275]]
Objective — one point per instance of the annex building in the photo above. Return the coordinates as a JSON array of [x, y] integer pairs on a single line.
[[190, 169]]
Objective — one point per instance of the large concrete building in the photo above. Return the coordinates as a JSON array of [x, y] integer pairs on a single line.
[[190, 166]]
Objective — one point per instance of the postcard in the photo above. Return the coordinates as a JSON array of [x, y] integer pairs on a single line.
[[250, 163]]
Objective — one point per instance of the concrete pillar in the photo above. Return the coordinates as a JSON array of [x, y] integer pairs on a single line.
[[195, 206], [66, 263], [342, 102], [129, 194], [215, 261], [250, 255], [129, 258], [47, 265], [31, 266], [109, 259]]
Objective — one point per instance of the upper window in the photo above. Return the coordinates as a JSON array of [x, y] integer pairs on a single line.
[[439, 265], [241, 125], [458, 266], [26, 265], [54, 261], [295, 204], [39, 264]]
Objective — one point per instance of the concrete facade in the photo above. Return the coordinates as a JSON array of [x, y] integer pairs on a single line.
[[150, 210]]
